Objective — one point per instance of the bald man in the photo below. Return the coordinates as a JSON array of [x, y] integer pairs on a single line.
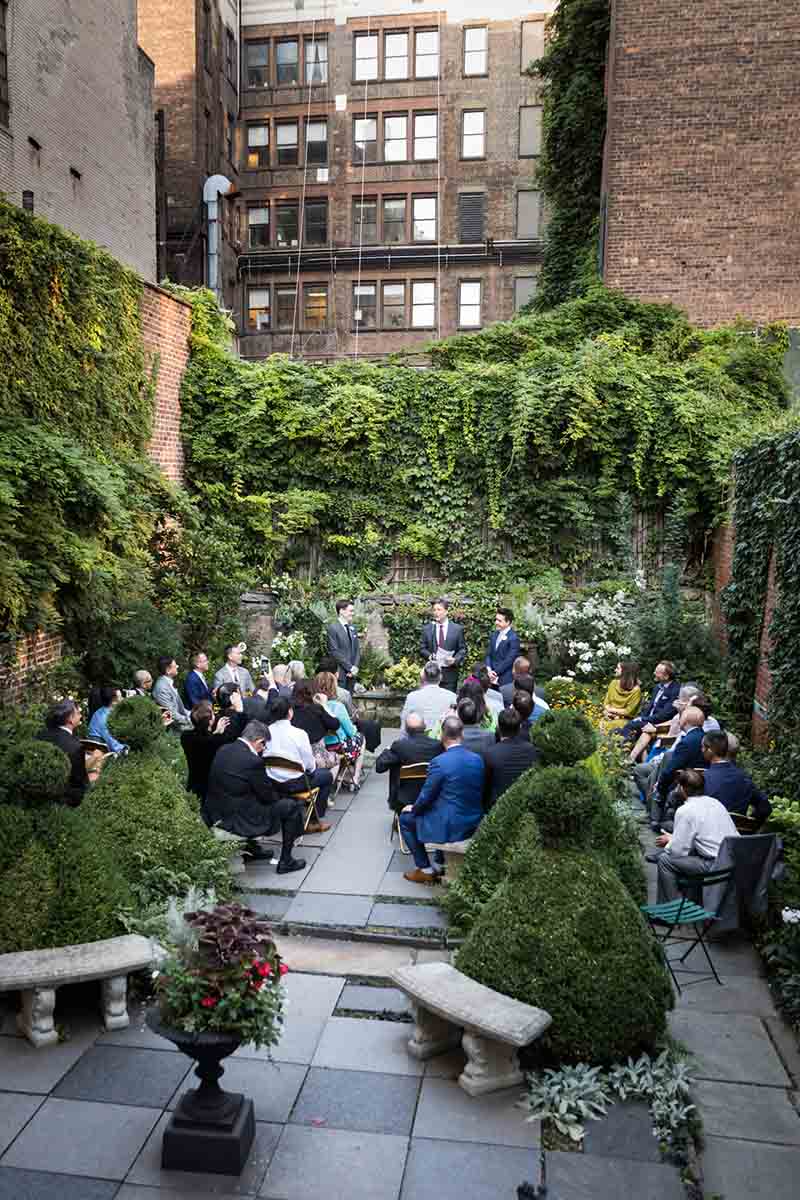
[[686, 754], [414, 747]]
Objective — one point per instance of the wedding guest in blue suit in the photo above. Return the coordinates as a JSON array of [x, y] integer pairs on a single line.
[[449, 807], [196, 686], [504, 647]]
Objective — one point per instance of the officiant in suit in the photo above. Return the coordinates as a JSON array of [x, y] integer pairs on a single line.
[[343, 644], [504, 647], [443, 634]]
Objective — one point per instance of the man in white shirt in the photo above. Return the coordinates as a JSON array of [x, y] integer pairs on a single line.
[[234, 672], [429, 700], [286, 741], [701, 824]]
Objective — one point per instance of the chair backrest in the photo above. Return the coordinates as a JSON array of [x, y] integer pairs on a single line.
[[414, 771], [745, 824], [283, 764]]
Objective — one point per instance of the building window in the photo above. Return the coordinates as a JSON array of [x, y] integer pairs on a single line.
[[532, 43], [206, 37], [258, 226], [524, 290], [365, 139], [287, 64], [257, 64], [317, 143], [315, 306], [527, 214], [476, 51], [230, 125], [316, 222], [530, 131], [471, 207], [4, 94], [230, 55], [257, 147], [425, 136], [287, 224], [365, 221], [426, 53], [365, 305], [257, 309], [316, 60], [469, 304], [394, 219], [423, 305], [424, 218], [366, 56], [394, 306], [395, 56], [395, 138], [286, 137], [285, 301], [473, 134]]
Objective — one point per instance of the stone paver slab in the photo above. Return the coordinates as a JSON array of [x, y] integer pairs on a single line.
[[23, 1068], [138, 1033], [730, 1046], [592, 1177], [263, 877], [446, 1111], [785, 1042], [349, 1043], [732, 956], [361, 998], [738, 1110], [393, 884], [78, 1137], [16, 1184], [16, 1109], [439, 1170], [147, 1168], [408, 916], [400, 862], [327, 956], [124, 1075], [137, 1191], [742, 1169], [267, 904], [357, 1100], [311, 1000], [447, 1066], [337, 1164], [314, 909], [739, 993], [272, 1086], [625, 1132]]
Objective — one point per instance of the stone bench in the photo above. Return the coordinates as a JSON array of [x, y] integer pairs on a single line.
[[236, 863], [453, 856], [450, 1008], [37, 974]]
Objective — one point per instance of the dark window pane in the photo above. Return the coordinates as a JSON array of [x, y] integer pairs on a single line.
[[394, 305], [365, 305], [286, 221], [470, 216], [287, 62], [285, 304], [394, 219], [316, 232], [315, 306], [317, 143], [365, 221], [286, 137], [257, 63]]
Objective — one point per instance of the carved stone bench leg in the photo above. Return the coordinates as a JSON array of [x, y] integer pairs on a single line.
[[115, 1002], [236, 863], [432, 1035], [36, 1018], [452, 866], [490, 1065]]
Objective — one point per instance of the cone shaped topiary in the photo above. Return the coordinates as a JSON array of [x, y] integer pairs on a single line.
[[136, 722], [564, 737], [35, 773]]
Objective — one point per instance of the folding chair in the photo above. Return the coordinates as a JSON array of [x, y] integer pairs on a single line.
[[745, 824], [676, 914], [307, 797], [347, 769], [410, 771]]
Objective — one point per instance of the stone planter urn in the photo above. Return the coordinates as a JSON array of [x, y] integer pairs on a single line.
[[211, 1130]]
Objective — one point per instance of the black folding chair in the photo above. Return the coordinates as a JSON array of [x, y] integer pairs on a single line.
[[686, 913], [410, 771]]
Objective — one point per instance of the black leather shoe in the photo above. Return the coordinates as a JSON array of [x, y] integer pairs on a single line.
[[292, 864], [255, 853]]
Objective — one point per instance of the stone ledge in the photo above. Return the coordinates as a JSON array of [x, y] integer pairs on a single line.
[[81, 963]]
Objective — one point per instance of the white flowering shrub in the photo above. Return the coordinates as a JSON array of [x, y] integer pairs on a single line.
[[588, 639], [286, 646]]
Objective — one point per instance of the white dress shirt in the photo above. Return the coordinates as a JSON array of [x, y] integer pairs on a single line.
[[701, 824], [288, 742]]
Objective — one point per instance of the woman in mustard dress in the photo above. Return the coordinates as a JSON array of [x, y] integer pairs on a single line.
[[623, 697]]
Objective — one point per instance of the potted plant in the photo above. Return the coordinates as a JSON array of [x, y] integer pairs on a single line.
[[218, 986]]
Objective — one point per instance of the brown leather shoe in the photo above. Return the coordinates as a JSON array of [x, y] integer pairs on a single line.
[[418, 876], [317, 827]]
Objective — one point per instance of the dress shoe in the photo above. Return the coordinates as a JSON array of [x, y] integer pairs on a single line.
[[291, 864], [318, 827], [418, 876], [255, 853]]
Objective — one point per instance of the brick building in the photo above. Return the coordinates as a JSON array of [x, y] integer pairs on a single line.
[[702, 166], [195, 47], [387, 156], [76, 121]]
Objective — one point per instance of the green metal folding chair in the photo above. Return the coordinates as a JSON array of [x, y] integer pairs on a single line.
[[686, 913]]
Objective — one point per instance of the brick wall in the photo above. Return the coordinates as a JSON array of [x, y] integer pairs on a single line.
[[35, 652], [702, 170], [166, 327], [722, 563]]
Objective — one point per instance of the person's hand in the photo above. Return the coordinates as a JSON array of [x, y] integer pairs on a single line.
[[320, 699], [648, 728], [408, 808], [354, 670], [663, 839], [493, 676], [236, 702], [222, 724], [166, 718]]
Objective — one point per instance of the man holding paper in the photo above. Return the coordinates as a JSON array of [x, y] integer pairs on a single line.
[[443, 642]]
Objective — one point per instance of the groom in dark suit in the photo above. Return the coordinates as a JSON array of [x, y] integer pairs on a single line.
[[443, 634], [343, 644], [504, 647]]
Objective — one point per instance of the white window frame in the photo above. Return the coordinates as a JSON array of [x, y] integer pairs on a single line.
[[395, 147], [259, 325], [423, 304], [422, 222], [426, 142], [473, 141], [311, 60], [362, 73], [426, 55], [469, 308], [257, 146], [395, 65], [476, 57]]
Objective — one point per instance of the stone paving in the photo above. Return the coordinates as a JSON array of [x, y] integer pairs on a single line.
[[343, 1111]]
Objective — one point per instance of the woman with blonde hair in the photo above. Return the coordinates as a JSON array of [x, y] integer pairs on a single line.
[[346, 736]]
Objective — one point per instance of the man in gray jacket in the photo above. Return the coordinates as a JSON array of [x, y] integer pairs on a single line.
[[430, 700], [234, 672], [166, 695]]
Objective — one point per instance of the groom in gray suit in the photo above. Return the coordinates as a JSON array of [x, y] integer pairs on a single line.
[[343, 644]]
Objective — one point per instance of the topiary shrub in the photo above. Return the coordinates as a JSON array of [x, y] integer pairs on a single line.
[[16, 831], [91, 890], [34, 774], [136, 722], [28, 894], [563, 736]]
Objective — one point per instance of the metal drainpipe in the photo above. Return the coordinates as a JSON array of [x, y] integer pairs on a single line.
[[214, 187]]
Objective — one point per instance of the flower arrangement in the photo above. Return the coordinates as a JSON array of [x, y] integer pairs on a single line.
[[562, 691], [403, 676], [589, 638], [286, 646], [222, 974]]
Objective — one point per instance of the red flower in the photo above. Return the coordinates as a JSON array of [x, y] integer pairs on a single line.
[[209, 1001], [264, 969], [284, 969], [257, 984]]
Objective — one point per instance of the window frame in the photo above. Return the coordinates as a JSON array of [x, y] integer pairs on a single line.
[[281, 291], [417, 56], [283, 206], [529, 108], [359, 38], [374, 142], [414, 155], [529, 236], [249, 147], [314, 162], [206, 35], [390, 33], [262, 67], [392, 116], [360, 326], [523, 63], [294, 40], [265, 288], [287, 124], [315, 202], [230, 57], [415, 283], [307, 288], [263, 243], [404, 321], [485, 52], [470, 112], [415, 199], [316, 40], [470, 283], [394, 199], [358, 236], [524, 279]]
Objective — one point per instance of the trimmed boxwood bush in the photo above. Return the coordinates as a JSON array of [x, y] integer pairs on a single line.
[[136, 722], [91, 889], [28, 891], [16, 831], [34, 773], [563, 736], [562, 933]]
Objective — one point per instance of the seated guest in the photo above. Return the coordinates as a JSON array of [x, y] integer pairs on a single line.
[[142, 683], [62, 719], [414, 747], [166, 695], [329, 665], [508, 758], [522, 703], [241, 799], [196, 687], [430, 700], [687, 753], [311, 715], [485, 717], [201, 743], [701, 823], [347, 739], [623, 697], [282, 679], [728, 783], [297, 671], [525, 683], [449, 807], [257, 706], [232, 671], [503, 648], [646, 773], [522, 666], [491, 695], [291, 742], [659, 708], [370, 729], [98, 725], [473, 737]]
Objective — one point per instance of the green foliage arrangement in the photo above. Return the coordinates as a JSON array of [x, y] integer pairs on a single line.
[[563, 736], [127, 637], [34, 774], [403, 676], [666, 629], [25, 925], [90, 889], [136, 722]]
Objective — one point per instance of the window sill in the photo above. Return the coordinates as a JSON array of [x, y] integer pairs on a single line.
[[472, 158], [480, 75]]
